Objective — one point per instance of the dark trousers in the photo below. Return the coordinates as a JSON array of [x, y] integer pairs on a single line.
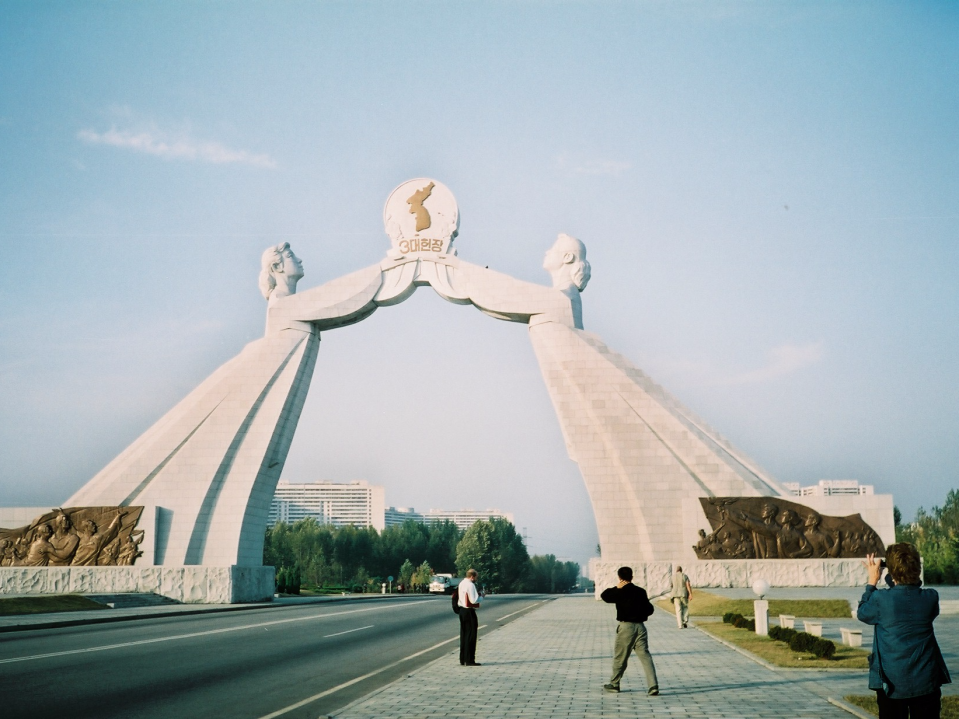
[[927, 706], [468, 627]]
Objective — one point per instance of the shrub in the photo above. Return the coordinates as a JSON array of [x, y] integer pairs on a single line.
[[731, 617], [741, 622], [824, 649], [782, 634], [817, 646]]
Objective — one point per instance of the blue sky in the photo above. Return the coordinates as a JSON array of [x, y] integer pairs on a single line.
[[768, 193]]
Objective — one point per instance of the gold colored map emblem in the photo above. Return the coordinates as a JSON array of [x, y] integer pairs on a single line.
[[421, 216], [415, 202]]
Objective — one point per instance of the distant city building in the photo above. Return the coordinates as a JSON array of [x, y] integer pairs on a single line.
[[360, 504], [462, 518], [829, 487], [355, 503]]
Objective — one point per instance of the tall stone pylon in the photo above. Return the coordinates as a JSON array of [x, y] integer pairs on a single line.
[[640, 451], [212, 462]]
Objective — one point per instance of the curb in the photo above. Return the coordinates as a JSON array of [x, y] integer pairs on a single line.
[[748, 655], [366, 697], [852, 709], [57, 624]]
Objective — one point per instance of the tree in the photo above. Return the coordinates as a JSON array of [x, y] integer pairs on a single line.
[[496, 552], [405, 575], [441, 549], [549, 575], [421, 577], [936, 535]]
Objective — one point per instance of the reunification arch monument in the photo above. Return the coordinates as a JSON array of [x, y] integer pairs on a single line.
[[664, 486]]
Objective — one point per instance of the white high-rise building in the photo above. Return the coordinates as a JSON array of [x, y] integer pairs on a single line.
[[462, 518], [829, 487], [356, 503]]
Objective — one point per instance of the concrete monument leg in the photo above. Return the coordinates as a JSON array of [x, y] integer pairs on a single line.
[[215, 457], [209, 467]]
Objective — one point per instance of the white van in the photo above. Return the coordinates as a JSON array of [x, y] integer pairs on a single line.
[[443, 584]]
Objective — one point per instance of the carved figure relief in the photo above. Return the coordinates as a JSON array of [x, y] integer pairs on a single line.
[[775, 528], [77, 536]]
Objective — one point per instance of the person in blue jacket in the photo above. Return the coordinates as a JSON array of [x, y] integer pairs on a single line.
[[906, 668]]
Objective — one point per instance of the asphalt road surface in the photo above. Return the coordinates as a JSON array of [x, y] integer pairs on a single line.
[[291, 662]]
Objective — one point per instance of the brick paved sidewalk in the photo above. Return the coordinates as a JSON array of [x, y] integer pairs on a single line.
[[554, 661]]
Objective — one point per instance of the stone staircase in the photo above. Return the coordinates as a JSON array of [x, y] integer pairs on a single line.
[[124, 601]]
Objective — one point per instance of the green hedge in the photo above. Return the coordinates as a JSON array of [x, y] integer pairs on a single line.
[[803, 642], [797, 641], [739, 621]]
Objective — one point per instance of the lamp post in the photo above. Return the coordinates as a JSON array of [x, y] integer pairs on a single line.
[[761, 607]]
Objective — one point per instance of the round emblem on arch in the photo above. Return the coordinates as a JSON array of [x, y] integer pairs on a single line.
[[421, 216]]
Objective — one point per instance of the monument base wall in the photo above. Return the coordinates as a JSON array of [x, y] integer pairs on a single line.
[[656, 577], [191, 585]]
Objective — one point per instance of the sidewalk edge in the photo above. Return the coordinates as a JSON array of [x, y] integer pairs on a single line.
[[852, 709], [748, 655]]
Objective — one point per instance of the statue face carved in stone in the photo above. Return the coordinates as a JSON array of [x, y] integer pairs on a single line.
[[566, 263], [280, 270]]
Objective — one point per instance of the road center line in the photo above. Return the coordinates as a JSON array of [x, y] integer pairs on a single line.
[[522, 610], [351, 682], [348, 631], [207, 633]]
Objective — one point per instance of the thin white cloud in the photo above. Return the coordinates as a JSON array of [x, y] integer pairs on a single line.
[[183, 147], [589, 166], [782, 360]]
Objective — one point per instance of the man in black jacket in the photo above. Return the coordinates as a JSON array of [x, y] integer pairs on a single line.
[[632, 609]]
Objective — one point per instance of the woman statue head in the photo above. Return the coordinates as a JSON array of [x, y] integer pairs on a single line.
[[566, 263], [280, 271]]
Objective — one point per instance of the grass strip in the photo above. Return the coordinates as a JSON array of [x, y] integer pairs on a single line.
[[10, 606], [950, 705], [706, 604], [779, 654]]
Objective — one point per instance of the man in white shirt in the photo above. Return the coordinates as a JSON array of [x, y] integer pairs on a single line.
[[681, 594], [469, 600]]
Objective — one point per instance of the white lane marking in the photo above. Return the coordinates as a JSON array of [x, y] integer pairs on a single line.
[[348, 631], [522, 610], [351, 682], [201, 634]]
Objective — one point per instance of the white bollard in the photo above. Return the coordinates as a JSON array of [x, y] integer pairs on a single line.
[[761, 609]]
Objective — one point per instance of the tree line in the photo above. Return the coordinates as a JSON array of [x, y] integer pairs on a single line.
[[936, 535], [359, 559]]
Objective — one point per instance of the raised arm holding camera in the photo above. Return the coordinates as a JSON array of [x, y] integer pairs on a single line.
[[906, 668]]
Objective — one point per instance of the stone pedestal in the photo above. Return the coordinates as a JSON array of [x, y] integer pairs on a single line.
[[761, 609], [191, 585], [656, 577]]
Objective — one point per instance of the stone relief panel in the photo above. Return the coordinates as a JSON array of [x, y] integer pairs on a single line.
[[776, 528], [76, 536]]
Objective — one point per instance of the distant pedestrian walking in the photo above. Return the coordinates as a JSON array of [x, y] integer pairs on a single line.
[[632, 609], [681, 594], [469, 601]]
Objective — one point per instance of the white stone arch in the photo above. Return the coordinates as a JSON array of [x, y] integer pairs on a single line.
[[211, 464]]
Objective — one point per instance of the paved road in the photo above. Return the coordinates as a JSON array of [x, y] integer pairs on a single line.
[[293, 662]]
